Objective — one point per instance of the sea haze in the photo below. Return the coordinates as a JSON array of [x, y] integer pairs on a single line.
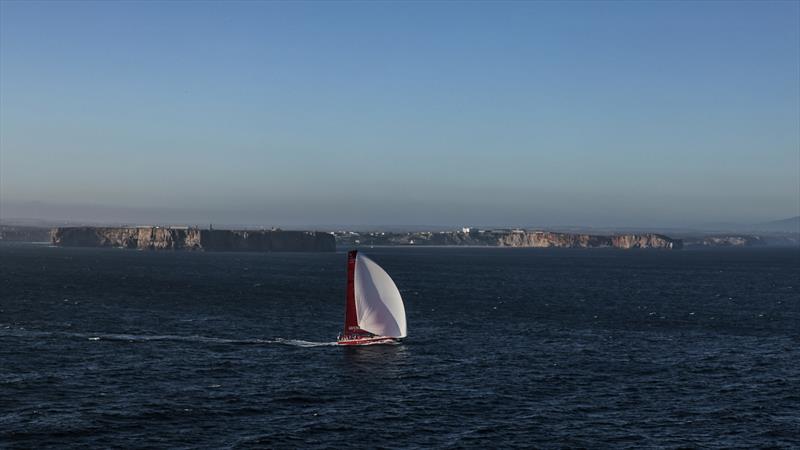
[[522, 347]]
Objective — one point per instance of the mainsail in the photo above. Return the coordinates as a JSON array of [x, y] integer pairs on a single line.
[[373, 301]]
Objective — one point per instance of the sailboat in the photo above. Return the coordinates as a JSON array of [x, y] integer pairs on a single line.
[[374, 311]]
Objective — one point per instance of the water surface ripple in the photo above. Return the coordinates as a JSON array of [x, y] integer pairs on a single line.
[[507, 347]]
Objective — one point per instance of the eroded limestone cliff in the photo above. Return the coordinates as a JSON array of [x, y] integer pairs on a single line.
[[23, 234], [551, 239], [509, 238], [649, 240], [731, 240], [572, 240], [162, 238]]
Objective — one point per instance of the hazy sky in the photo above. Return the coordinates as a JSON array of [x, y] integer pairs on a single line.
[[619, 113]]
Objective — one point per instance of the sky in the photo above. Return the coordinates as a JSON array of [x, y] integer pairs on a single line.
[[400, 113]]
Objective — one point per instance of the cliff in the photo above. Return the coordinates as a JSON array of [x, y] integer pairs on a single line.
[[24, 234], [159, 238], [551, 239], [571, 240], [510, 238], [648, 240], [734, 240]]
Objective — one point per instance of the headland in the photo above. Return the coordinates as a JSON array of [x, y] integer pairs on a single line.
[[511, 238], [186, 238]]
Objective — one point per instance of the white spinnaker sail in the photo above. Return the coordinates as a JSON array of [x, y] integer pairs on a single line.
[[378, 303]]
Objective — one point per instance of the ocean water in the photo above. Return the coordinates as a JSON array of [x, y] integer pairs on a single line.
[[507, 347]]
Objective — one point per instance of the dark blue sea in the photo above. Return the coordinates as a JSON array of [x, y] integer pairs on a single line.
[[105, 348]]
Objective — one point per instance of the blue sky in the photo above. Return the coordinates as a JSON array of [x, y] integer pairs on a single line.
[[441, 113]]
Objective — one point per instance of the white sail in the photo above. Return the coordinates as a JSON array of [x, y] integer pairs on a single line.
[[379, 306]]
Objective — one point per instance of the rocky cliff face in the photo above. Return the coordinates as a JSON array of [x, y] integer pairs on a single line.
[[510, 238], [551, 239], [23, 234], [571, 240], [159, 238], [739, 240], [645, 241]]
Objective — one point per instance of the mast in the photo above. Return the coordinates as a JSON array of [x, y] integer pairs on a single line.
[[350, 316]]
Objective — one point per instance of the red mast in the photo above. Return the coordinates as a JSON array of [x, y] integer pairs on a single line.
[[350, 317]]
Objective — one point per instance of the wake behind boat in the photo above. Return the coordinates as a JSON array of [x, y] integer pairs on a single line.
[[374, 311]]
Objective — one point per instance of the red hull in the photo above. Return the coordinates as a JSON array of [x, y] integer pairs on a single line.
[[369, 340]]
